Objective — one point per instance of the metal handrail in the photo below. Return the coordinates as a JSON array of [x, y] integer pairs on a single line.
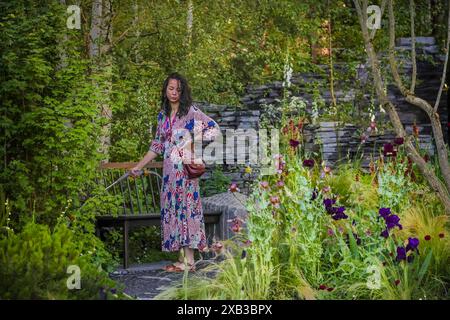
[[134, 195]]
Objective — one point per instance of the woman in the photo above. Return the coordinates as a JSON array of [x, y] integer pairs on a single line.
[[182, 221]]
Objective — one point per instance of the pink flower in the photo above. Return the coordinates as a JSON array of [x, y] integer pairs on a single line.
[[264, 184], [217, 246], [280, 164], [247, 243], [233, 188], [236, 224], [280, 184], [330, 232], [275, 200], [364, 137]]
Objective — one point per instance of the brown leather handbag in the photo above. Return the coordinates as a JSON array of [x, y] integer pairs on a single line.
[[192, 169]]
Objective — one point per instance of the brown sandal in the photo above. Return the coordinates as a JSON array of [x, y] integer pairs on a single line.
[[175, 268]]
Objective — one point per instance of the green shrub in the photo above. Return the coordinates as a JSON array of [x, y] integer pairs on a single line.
[[34, 265], [217, 183]]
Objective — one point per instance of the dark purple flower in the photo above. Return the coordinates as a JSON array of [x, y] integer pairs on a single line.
[[294, 143], [308, 163], [355, 236], [385, 233], [427, 237], [393, 221], [412, 245], [244, 254], [388, 150], [322, 287], [398, 141], [385, 212], [339, 213], [358, 239], [397, 282], [329, 202], [401, 254], [314, 194]]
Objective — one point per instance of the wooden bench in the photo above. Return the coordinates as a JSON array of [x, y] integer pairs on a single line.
[[140, 201]]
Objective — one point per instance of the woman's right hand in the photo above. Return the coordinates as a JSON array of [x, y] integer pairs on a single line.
[[135, 172]]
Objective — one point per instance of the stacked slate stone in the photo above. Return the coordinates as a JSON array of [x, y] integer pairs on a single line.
[[356, 89], [231, 118], [337, 141]]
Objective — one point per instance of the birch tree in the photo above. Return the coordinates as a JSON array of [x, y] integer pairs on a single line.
[[440, 187]]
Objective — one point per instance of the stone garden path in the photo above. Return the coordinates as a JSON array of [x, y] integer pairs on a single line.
[[146, 281]]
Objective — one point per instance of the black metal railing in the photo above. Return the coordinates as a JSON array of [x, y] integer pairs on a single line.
[[138, 195]]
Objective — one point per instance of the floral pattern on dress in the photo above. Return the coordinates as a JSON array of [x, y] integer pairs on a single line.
[[182, 220]]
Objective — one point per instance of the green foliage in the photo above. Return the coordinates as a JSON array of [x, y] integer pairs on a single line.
[[34, 264], [217, 183], [49, 113], [144, 245], [296, 250]]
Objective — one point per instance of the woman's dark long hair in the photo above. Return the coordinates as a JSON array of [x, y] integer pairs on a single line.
[[185, 95]]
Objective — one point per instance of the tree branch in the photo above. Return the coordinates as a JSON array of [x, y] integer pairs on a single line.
[[392, 61], [441, 148], [438, 99], [413, 47], [429, 174]]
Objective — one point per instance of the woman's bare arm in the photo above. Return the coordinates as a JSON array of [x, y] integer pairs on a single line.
[[149, 156]]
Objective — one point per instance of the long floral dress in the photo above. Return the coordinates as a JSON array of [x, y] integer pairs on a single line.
[[182, 220]]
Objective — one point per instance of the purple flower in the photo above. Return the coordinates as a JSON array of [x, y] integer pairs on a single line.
[[356, 237], [401, 253], [385, 233], [385, 212], [294, 143], [412, 245], [308, 163], [339, 213], [314, 194], [336, 213], [393, 221], [398, 141], [388, 150], [329, 202]]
